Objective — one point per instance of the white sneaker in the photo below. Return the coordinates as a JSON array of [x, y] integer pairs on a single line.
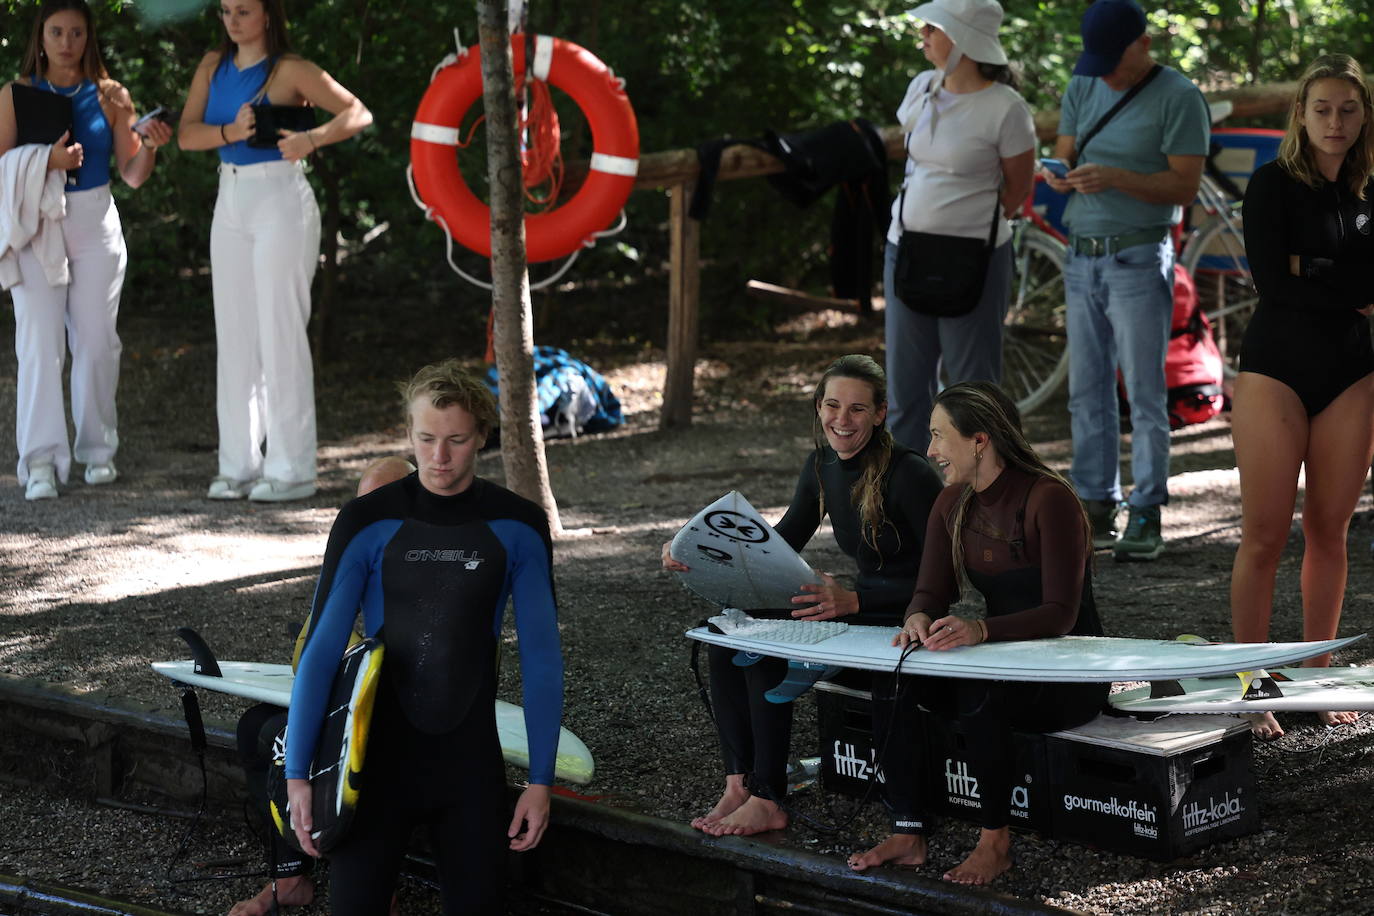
[[97, 474], [268, 490], [42, 482], [228, 488]]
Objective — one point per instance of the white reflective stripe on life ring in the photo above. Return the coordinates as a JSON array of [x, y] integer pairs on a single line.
[[614, 165], [434, 133], [543, 56]]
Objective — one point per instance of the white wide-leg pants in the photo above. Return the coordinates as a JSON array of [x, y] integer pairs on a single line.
[[264, 247], [86, 311]]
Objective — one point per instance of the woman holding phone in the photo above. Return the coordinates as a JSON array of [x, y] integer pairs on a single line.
[[264, 244], [75, 292]]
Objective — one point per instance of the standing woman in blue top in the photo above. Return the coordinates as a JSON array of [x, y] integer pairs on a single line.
[[63, 57], [264, 245]]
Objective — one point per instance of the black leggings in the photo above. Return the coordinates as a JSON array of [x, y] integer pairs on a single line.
[[754, 734], [988, 711], [257, 730], [454, 784]]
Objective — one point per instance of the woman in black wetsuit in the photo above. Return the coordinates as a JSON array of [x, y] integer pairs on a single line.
[[1014, 530], [1305, 393], [878, 495]]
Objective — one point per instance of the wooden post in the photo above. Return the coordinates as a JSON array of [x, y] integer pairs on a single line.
[[684, 285]]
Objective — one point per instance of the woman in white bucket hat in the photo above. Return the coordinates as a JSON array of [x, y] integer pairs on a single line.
[[969, 139]]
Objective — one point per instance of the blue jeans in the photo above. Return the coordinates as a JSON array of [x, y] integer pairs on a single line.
[[1120, 308], [968, 347]]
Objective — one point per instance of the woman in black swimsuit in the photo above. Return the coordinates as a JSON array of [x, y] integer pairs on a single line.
[[1305, 394]]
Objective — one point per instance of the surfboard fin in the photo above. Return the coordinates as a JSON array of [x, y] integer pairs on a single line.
[[1258, 685], [200, 653], [801, 677], [744, 659], [1160, 689]]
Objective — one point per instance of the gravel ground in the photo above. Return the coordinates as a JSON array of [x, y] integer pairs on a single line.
[[95, 582]]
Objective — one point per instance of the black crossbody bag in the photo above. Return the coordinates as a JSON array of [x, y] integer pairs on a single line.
[[942, 275], [1111, 112]]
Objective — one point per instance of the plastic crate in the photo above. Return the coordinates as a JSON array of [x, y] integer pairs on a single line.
[[1159, 790]]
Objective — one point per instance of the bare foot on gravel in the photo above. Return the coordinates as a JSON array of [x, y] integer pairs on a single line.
[[1337, 718], [1263, 725], [299, 891], [735, 794], [757, 815], [898, 849], [990, 858]]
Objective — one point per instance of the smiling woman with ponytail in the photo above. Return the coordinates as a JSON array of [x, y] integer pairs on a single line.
[[878, 495]]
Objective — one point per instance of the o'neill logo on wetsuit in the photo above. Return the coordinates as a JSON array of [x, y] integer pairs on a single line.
[[470, 559]]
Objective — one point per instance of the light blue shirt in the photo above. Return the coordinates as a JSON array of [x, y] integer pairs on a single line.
[[1169, 117]]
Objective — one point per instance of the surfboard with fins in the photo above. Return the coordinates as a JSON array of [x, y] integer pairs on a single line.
[[1274, 690], [270, 683], [1061, 658]]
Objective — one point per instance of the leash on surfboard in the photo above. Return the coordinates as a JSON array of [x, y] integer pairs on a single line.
[[205, 663], [821, 826]]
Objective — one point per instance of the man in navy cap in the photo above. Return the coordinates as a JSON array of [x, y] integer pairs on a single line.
[[1132, 170]]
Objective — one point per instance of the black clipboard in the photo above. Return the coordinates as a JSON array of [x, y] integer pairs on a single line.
[[41, 117]]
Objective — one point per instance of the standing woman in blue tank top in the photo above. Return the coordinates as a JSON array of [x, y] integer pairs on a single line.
[[67, 276], [264, 245]]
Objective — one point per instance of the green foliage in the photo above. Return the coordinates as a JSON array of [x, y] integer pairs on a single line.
[[694, 71]]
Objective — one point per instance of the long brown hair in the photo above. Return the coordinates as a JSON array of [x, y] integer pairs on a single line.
[[867, 494], [35, 60], [1295, 151], [982, 407], [278, 37]]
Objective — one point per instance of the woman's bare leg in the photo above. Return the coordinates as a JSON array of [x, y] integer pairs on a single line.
[[1338, 456], [1269, 429]]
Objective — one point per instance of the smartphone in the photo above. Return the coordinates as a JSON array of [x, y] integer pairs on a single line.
[[1056, 167], [166, 116]]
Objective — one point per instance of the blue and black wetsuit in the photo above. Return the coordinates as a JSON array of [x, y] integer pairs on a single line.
[[432, 575], [754, 733]]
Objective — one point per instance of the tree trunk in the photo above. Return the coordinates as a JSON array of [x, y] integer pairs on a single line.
[[522, 438], [326, 290]]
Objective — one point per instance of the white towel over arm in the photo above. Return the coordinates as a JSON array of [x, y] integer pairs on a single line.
[[33, 199]]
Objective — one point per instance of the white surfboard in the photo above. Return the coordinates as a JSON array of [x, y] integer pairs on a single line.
[[1060, 658], [272, 684], [1291, 690], [737, 559]]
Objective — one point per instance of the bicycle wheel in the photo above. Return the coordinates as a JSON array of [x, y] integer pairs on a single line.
[[1035, 351], [1215, 255]]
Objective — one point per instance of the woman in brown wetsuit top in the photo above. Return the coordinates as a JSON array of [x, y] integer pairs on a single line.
[[1015, 531]]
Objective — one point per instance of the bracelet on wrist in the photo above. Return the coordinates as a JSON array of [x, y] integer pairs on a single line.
[[223, 135]]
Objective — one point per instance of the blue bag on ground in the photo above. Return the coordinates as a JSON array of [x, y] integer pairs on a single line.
[[573, 397]]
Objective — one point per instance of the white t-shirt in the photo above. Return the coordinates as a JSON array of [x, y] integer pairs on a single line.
[[952, 173]]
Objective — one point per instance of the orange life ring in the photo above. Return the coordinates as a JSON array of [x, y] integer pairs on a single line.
[[614, 163]]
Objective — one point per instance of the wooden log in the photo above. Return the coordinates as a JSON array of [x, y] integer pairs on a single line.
[[683, 293], [802, 301]]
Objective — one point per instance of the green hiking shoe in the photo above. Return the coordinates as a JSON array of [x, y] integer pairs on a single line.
[[1102, 515], [1142, 539]]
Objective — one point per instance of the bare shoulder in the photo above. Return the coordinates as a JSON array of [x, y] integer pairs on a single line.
[[209, 62], [295, 65]]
